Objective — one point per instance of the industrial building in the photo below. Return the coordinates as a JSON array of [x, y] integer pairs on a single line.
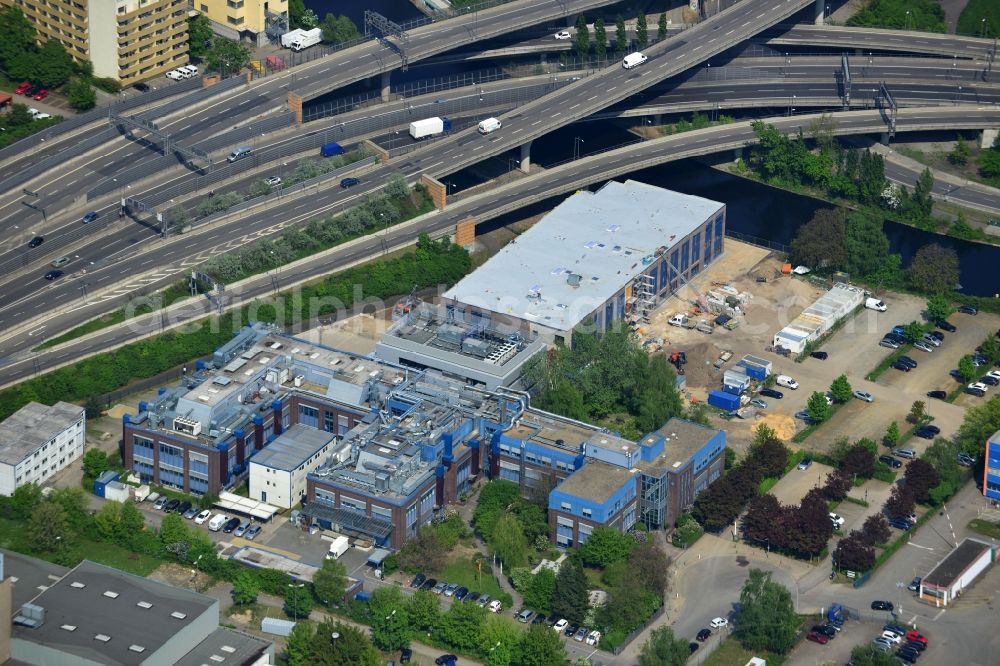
[[597, 258], [37, 441], [991, 470], [278, 473], [410, 443], [818, 318], [93, 614], [949, 579], [255, 21], [126, 40]]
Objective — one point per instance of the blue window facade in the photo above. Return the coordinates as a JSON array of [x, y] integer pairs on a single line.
[[328, 421], [685, 256], [171, 456], [309, 416], [663, 274], [142, 449], [696, 247], [992, 487], [708, 242], [719, 232]]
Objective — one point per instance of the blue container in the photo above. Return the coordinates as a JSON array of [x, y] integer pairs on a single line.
[[101, 482], [724, 400], [753, 371], [363, 596], [331, 149], [733, 389], [446, 124]]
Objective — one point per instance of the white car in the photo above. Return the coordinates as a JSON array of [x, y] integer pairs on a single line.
[[203, 516], [864, 395], [561, 625], [719, 623], [42, 116], [495, 606], [838, 520], [995, 374], [786, 381], [190, 70], [891, 636], [593, 638], [562, 34], [273, 181], [176, 75]]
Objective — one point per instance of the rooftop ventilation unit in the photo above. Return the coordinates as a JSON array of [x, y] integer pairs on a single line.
[[104, 638], [178, 615], [78, 584], [110, 594], [187, 426], [144, 604], [68, 627], [136, 648]]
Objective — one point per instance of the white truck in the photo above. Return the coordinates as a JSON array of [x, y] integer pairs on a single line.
[[875, 304], [421, 129], [682, 320], [338, 547], [299, 39], [141, 493]]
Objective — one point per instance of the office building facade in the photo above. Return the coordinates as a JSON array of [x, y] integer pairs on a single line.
[[37, 441]]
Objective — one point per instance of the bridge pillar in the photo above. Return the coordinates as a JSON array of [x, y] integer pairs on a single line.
[[884, 139], [385, 86], [737, 154], [989, 136], [820, 11], [525, 165]]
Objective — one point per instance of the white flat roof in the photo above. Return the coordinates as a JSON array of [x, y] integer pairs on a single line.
[[605, 237]]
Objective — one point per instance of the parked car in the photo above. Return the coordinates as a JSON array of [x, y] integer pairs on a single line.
[[171, 505], [429, 584], [446, 660], [890, 461], [349, 182], [580, 634], [900, 524], [439, 588], [817, 637], [914, 635], [718, 623], [183, 507], [405, 655], [703, 635], [231, 525], [977, 389], [252, 533], [931, 340], [923, 346], [539, 619], [418, 580], [191, 513], [908, 361], [692, 647], [989, 380], [141, 87], [806, 462], [22, 88], [471, 597], [909, 454], [571, 629], [771, 393], [945, 325], [242, 529], [937, 394], [924, 433], [757, 402], [525, 615], [915, 645], [864, 395], [888, 342], [881, 644], [786, 381], [966, 460], [561, 625], [937, 335], [461, 593], [880, 604], [907, 655], [483, 600], [892, 626], [201, 517], [899, 365], [891, 636], [837, 519], [968, 309], [820, 355], [273, 181], [803, 415], [495, 606], [825, 629], [450, 589], [594, 637], [40, 95], [914, 584]]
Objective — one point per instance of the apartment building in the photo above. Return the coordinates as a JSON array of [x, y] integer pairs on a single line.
[[127, 40], [37, 441], [246, 20]]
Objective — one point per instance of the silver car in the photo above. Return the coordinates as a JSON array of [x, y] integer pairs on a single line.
[[61, 261], [923, 346], [931, 340]]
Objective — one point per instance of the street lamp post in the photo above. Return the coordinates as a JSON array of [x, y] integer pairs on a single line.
[[576, 147]]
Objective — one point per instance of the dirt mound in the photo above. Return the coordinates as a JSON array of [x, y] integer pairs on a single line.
[[782, 424]]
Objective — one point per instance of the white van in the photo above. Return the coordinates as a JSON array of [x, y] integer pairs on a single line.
[[189, 70], [633, 60], [875, 304], [240, 153], [218, 520], [489, 125], [786, 381]]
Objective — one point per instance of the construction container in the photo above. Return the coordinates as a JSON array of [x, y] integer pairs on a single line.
[[723, 400], [735, 380], [103, 480], [116, 491], [755, 367]]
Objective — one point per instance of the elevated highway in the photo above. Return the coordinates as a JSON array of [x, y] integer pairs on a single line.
[[19, 363]]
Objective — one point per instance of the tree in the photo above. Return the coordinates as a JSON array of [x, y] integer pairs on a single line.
[[539, 593], [921, 200], [767, 616], [769, 457], [389, 619], [600, 39], [854, 553], [641, 31], [245, 588], [460, 626], [352, 647], [891, 434], [509, 542], [621, 36], [423, 552], [330, 582], [875, 530], [868, 655], [866, 244], [900, 502], [939, 307], [662, 648], [837, 486], [53, 64], [605, 546], [200, 36], [960, 153], [570, 599], [859, 461], [990, 348], [988, 162], [649, 564], [226, 56], [47, 528], [424, 609], [661, 31], [337, 29], [95, 462], [807, 529], [979, 424], [80, 95], [819, 243], [582, 37], [913, 331], [817, 407], [686, 530], [934, 269], [841, 389], [966, 368], [540, 646], [18, 32], [172, 530], [499, 639], [763, 433], [761, 519], [494, 499], [298, 649], [298, 602], [920, 477]]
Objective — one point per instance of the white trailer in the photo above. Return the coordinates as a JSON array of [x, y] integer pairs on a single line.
[[338, 547], [299, 39], [421, 129], [140, 493]]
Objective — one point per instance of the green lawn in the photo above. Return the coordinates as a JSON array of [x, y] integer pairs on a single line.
[[985, 527], [731, 653], [12, 537], [462, 571]]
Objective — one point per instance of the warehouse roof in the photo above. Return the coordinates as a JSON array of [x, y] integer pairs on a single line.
[[225, 646], [29, 576], [293, 447], [31, 427], [582, 253], [952, 567], [683, 439], [596, 481]]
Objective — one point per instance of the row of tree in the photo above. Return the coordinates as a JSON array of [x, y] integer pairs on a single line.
[[923, 15], [819, 407], [802, 531], [600, 40]]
